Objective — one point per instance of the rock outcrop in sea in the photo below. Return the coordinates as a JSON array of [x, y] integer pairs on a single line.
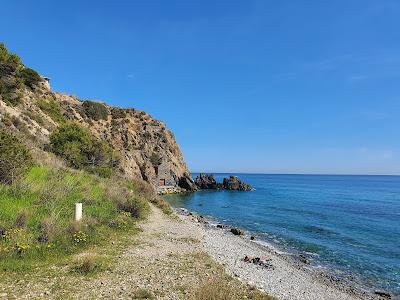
[[207, 182], [233, 183]]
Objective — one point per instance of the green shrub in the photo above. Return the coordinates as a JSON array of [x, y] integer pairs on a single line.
[[3, 53], [6, 119], [52, 109], [15, 158], [82, 150], [10, 90], [30, 77], [9, 58], [146, 191], [95, 110], [155, 159], [127, 200]]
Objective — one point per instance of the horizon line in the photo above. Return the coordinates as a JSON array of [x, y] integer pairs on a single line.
[[311, 174]]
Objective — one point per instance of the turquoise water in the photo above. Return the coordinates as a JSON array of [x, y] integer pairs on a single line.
[[350, 224]]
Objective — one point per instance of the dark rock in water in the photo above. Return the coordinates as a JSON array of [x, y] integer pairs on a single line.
[[206, 182], [252, 237], [221, 226], [237, 231], [383, 294], [234, 184], [187, 183], [304, 259]]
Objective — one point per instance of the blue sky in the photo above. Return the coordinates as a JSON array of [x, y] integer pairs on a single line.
[[246, 86]]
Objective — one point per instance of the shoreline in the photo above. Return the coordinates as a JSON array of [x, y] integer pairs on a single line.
[[290, 276]]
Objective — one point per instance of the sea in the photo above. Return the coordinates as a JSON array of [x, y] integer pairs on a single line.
[[347, 225]]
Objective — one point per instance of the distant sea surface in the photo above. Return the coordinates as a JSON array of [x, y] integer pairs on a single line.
[[348, 224]]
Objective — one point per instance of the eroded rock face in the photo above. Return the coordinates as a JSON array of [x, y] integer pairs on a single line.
[[187, 183], [234, 184]]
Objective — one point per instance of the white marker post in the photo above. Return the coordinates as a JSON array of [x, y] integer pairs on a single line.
[[78, 211]]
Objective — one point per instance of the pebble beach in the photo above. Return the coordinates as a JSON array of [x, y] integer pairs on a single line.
[[284, 277]]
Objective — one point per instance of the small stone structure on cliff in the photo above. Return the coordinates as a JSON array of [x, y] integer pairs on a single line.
[[165, 176]]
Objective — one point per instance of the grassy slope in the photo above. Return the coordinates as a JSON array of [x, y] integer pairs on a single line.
[[37, 215]]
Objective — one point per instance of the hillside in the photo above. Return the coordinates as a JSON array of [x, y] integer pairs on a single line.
[[140, 146]]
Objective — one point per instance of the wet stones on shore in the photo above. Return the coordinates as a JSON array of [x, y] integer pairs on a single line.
[[237, 231], [383, 294], [304, 259]]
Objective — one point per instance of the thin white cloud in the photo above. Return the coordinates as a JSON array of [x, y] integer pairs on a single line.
[[357, 78]]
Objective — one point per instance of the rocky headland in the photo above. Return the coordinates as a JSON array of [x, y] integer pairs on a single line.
[[142, 147]]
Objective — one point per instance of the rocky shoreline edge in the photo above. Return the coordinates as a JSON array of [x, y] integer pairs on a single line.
[[275, 272]]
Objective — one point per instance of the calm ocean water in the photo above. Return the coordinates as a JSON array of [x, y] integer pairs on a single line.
[[350, 224]]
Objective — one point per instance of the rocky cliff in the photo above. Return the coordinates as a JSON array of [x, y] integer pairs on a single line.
[[146, 148]]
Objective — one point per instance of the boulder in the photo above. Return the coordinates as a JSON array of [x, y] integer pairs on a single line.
[[383, 294], [304, 259], [187, 183], [234, 184], [237, 231]]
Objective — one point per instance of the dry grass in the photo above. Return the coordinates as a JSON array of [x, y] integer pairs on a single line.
[[218, 288], [146, 191], [143, 294], [213, 289], [89, 264]]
